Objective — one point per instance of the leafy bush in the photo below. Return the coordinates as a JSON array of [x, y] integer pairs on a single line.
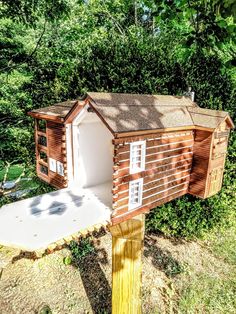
[[81, 249]]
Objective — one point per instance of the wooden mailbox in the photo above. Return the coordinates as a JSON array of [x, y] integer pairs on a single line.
[[119, 155], [151, 148]]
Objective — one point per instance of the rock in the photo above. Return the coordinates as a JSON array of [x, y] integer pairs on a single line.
[[21, 193], [8, 185]]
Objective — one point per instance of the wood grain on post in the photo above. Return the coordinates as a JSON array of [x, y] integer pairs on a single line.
[[127, 247]]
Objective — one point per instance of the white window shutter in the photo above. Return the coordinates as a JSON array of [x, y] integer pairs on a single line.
[[137, 156], [135, 193]]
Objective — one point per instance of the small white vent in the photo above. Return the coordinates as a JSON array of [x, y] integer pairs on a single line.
[[137, 156], [135, 193]]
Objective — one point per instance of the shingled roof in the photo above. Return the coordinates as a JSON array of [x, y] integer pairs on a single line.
[[135, 112], [59, 110]]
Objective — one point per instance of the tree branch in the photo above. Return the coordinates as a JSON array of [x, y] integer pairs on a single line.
[[31, 54]]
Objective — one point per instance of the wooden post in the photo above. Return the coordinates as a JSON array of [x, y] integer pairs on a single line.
[[127, 246]]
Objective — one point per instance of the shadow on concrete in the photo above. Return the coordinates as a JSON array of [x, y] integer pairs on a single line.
[[54, 207], [95, 283]]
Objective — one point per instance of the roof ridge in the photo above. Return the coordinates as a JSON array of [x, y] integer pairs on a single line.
[[190, 115], [205, 114]]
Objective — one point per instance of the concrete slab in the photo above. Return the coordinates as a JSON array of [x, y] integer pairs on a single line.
[[34, 223]]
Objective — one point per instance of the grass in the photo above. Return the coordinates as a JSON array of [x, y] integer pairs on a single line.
[[210, 292], [36, 186], [14, 172], [223, 244]]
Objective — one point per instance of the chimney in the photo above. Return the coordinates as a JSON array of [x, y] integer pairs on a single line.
[[190, 94]]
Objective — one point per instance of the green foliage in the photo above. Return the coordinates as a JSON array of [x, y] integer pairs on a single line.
[[45, 310], [67, 260], [81, 249], [14, 172]]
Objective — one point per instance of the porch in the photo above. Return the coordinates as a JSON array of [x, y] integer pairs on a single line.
[[34, 224]]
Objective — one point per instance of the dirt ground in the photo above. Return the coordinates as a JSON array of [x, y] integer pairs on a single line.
[[26, 286]]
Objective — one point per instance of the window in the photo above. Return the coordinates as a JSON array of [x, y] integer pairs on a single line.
[[135, 193], [42, 140], [137, 156], [52, 165], [42, 125], [60, 168], [43, 156], [43, 169]]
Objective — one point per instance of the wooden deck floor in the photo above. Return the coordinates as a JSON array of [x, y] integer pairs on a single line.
[[33, 224]]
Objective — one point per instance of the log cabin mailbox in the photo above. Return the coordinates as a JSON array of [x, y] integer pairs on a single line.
[[141, 151], [150, 148]]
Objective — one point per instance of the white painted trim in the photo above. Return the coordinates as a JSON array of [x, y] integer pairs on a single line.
[[151, 147], [170, 175], [172, 187], [140, 193], [75, 144], [148, 203], [169, 150], [156, 186], [80, 116], [133, 170], [156, 160], [148, 162], [163, 136], [161, 152]]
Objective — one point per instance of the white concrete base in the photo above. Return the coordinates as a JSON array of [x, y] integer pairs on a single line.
[[32, 224]]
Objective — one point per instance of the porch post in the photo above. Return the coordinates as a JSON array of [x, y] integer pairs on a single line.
[[127, 246]]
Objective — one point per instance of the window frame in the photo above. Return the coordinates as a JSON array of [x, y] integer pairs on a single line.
[[60, 168], [140, 193], [52, 164], [142, 156]]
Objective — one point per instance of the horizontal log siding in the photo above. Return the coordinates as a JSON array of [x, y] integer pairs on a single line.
[[166, 175], [201, 156], [57, 151]]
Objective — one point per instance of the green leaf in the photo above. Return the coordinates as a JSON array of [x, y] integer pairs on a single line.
[[67, 260]]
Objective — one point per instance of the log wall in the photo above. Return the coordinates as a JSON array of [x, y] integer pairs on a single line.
[[209, 152], [201, 153], [55, 148], [166, 176], [217, 160]]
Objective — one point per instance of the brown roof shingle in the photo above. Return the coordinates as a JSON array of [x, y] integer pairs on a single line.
[[135, 112], [58, 110], [114, 99], [206, 117]]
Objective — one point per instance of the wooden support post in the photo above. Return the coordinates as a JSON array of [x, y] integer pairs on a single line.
[[127, 246]]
